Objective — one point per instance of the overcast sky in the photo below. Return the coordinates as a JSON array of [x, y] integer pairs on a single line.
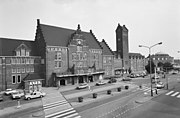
[[149, 21]]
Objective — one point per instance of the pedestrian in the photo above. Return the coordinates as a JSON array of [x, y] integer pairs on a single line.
[[89, 88], [156, 91], [58, 85]]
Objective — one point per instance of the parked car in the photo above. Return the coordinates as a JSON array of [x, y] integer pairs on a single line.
[[36, 94], [112, 80], [10, 91], [100, 83], [17, 94], [82, 86], [1, 97], [155, 77], [132, 75], [155, 80], [160, 85], [126, 79]]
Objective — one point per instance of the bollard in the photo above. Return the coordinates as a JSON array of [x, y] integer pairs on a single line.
[[18, 106]]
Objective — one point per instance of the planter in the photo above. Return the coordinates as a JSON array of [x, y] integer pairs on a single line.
[[80, 99], [108, 91], [126, 87], [119, 89], [94, 95]]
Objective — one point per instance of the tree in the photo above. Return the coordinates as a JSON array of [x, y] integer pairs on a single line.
[[147, 67], [167, 66], [160, 64]]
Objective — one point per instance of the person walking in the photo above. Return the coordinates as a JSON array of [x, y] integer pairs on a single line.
[[156, 91], [89, 88]]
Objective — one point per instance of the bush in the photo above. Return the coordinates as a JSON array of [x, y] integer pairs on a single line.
[[94, 95], [108, 91], [80, 99], [126, 87], [119, 89]]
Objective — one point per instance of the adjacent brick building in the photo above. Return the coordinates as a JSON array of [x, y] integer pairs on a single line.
[[136, 62]]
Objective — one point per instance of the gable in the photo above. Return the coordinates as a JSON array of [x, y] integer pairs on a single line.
[[106, 48]]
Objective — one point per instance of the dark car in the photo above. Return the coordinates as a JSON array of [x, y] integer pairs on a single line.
[[126, 79], [112, 80]]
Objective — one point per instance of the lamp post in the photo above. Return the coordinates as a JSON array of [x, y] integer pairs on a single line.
[[149, 47]]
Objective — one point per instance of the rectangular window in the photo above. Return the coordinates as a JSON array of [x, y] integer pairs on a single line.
[[32, 69], [79, 48], [13, 79], [27, 69], [58, 56], [73, 56], [18, 60], [23, 70], [13, 61], [22, 60], [13, 70], [58, 64], [27, 53], [22, 52], [18, 70], [17, 53], [31, 61], [18, 78]]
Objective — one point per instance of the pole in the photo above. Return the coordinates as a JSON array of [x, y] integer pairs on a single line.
[[150, 70], [166, 79]]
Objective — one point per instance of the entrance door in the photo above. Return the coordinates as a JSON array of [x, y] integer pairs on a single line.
[[62, 82], [90, 78], [81, 79]]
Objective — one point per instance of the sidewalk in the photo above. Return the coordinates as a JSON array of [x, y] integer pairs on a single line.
[[50, 90]]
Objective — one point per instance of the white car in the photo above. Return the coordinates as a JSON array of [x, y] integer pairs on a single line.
[[17, 94], [82, 85], [10, 91], [36, 94], [100, 83], [160, 85]]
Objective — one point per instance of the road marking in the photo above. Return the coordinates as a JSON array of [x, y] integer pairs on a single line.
[[54, 103], [175, 94], [178, 96], [57, 113], [169, 92]]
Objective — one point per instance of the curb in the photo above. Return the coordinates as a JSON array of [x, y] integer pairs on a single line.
[[143, 100]]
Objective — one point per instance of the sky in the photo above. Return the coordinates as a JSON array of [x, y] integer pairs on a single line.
[[148, 21]]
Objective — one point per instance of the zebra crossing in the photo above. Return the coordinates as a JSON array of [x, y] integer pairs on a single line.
[[147, 89], [56, 106], [68, 113], [173, 94]]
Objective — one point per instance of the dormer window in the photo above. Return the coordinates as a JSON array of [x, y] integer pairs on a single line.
[[22, 50], [17, 53]]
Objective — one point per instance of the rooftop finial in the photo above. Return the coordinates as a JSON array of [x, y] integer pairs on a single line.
[[79, 27]]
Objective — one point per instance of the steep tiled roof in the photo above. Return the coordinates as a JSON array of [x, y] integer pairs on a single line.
[[57, 36], [135, 54], [8, 46], [106, 48], [32, 76]]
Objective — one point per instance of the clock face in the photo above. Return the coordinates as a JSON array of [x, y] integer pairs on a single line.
[[79, 41]]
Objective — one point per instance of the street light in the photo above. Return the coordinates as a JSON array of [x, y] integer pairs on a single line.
[[150, 60]]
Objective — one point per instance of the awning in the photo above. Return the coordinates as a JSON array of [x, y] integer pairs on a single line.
[[83, 74]]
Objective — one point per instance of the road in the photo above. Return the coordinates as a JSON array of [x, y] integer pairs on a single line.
[[114, 106], [166, 105]]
